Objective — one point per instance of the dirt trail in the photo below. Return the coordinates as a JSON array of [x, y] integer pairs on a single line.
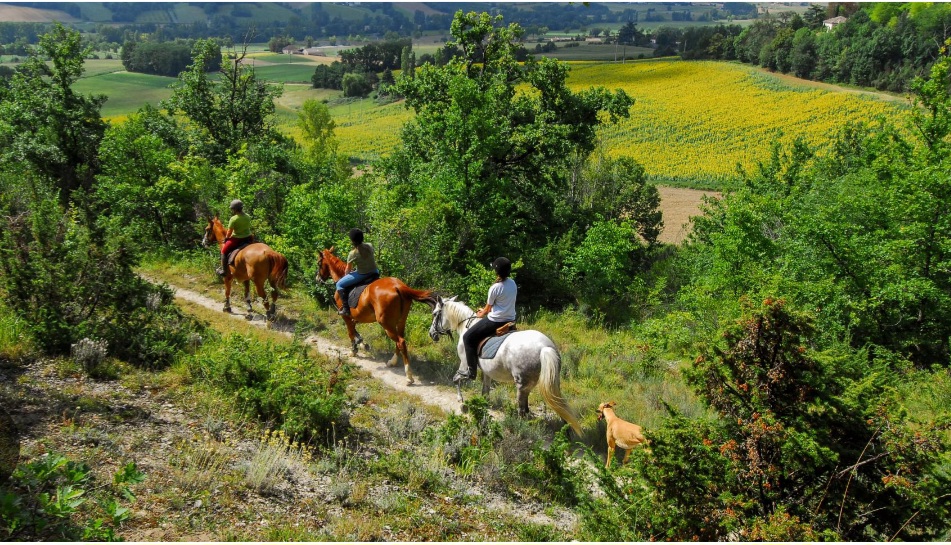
[[395, 377]]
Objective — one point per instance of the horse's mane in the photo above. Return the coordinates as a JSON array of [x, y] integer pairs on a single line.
[[456, 312]]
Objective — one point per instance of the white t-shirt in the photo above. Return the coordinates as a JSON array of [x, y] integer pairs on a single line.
[[502, 298]]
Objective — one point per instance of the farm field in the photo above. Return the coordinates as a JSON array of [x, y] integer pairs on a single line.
[[691, 125]]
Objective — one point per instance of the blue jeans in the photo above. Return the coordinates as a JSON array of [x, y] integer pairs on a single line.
[[345, 284]]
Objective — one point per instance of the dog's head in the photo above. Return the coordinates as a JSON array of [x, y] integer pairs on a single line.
[[603, 406]]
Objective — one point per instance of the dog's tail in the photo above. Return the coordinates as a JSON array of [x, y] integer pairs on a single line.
[[550, 386]]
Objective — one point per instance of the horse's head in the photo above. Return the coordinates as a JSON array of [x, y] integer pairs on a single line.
[[213, 231], [441, 325], [323, 264]]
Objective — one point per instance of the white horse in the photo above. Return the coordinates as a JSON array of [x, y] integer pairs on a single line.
[[526, 358]]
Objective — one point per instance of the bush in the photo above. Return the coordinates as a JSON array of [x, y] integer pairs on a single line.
[[67, 282], [275, 383], [47, 498]]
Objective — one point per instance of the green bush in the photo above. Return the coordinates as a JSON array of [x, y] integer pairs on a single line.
[[67, 281], [48, 500], [276, 383]]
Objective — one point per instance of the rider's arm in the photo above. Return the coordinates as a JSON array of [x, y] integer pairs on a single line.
[[484, 310], [229, 233]]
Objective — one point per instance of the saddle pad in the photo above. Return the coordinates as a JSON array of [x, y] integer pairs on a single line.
[[355, 292], [491, 346], [355, 295], [233, 253]]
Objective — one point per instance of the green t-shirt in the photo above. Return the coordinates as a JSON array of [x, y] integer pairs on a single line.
[[362, 259], [241, 224]]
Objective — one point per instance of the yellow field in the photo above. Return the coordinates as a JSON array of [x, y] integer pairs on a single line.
[[698, 120], [691, 121]]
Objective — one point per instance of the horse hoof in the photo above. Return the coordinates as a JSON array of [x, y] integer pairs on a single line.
[[410, 381], [226, 309], [249, 317]]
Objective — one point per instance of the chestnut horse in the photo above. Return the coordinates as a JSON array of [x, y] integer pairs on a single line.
[[257, 262], [386, 301]]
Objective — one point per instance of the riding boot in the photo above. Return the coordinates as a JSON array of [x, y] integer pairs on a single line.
[[224, 265], [344, 310]]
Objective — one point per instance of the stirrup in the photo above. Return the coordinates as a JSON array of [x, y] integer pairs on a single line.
[[345, 311], [219, 271]]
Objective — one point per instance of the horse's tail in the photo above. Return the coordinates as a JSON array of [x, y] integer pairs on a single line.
[[549, 383], [420, 296], [279, 268]]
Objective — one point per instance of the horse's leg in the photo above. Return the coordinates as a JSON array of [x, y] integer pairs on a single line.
[[272, 312], [400, 351], [247, 296], [259, 289], [523, 389], [486, 383], [228, 281]]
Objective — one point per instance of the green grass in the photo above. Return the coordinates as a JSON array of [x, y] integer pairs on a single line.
[[14, 341], [127, 91], [286, 73]]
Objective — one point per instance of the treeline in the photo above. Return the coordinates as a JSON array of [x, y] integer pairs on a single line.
[[881, 45], [162, 59]]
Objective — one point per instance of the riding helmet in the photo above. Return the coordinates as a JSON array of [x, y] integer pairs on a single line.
[[356, 236], [237, 205], [502, 266]]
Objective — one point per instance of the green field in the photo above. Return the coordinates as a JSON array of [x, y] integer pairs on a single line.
[[127, 91]]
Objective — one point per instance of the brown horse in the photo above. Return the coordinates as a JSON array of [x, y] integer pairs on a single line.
[[386, 301], [257, 262]]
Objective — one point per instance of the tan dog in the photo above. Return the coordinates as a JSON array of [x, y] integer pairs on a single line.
[[620, 433]]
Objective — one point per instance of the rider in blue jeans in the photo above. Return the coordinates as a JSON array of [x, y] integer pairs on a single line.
[[360, 265], [498, 311]]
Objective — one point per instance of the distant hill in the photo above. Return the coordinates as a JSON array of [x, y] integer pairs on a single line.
[[18, 13]]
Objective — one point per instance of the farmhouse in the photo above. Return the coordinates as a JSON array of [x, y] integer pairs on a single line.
[[834, 22], [292, 50], [314, 51]]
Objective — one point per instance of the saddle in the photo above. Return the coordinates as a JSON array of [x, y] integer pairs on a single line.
[[490, 345], [238, 248], [354, 297]]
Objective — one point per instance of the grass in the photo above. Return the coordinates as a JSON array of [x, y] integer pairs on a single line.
[[127, 91]]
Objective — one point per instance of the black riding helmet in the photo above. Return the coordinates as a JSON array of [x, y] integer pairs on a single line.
[[356, 236], [502, 267], [237, 206]]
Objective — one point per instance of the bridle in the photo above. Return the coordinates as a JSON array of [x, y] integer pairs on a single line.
[[437, 329]]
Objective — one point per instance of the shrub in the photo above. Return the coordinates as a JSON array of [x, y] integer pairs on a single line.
[[67, 282], [48, 496], [281, 384]]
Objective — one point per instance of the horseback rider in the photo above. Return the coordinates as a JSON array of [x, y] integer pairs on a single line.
[[361, 265], [239, 233], [498, 311]]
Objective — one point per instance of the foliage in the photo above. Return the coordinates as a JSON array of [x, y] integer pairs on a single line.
[[484, 159], [275, 383], [141, 189], [66, 285], [233, 109], [807, 444], [47, 500], [161, 59], [44, 124]]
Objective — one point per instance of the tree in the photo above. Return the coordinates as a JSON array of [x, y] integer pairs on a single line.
[[486, 157], [45, 124], [228, 111]]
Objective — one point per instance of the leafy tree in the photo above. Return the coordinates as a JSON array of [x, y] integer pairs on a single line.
[[483, 158], [140, 191], [355, 85], [44, 124], [229, 110]]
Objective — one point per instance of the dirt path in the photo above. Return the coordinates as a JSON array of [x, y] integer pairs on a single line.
[[394, 377]]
